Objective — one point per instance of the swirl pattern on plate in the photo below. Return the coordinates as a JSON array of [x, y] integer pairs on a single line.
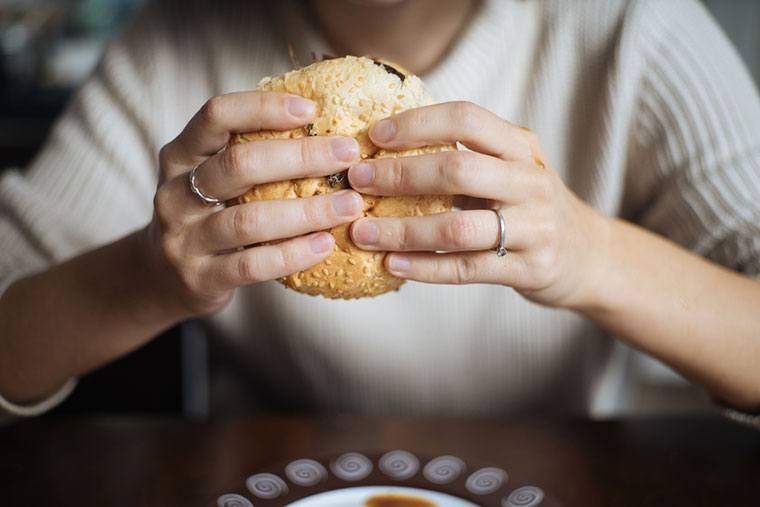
[[351, 466], [444, 469], [486, 480], [305, 472], [527, 496], [233, 500], [399, 465], [266, 486]]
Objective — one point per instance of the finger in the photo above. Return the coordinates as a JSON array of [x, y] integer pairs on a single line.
[[268, 262], [475, 127], [210, 128], [260, 221], [444, 232], [458, 268], [241, 166], [176, 202], [449, 173]]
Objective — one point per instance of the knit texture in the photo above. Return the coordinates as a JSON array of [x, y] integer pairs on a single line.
[[642, 106]]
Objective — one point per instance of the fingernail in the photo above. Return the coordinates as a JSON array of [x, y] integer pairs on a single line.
[[321, 243], [398, 263], [366, 232], [345, 203], [383, 131], [299, 107], [361, 175], [344, 149]]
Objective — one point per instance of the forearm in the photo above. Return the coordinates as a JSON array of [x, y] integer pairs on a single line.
[[76, 317], [696, 316]]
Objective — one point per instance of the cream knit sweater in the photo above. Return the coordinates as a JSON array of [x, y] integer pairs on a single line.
[[643, 106]]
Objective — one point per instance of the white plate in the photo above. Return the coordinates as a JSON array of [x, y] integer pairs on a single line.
[[356, 497]]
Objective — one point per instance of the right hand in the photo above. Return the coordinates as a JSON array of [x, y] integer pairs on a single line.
[[193, 248]]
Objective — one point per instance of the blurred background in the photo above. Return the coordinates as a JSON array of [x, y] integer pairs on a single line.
[[48, 48]]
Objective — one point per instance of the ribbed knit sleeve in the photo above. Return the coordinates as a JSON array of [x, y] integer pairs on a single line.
[[694, 160], [94, 179], [92, 182]]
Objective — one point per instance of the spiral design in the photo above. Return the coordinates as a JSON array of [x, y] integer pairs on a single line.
[[527, 496], [444, 469], [233, 500], [305, 472], [352, 466], [486, 480], [266, 486], [399, 465]]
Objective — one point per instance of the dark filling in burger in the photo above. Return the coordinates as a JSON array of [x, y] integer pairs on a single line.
[[337, 180], [391, 70]]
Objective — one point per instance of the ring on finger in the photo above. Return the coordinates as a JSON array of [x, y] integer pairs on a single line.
[[501, 249], [204, 198]]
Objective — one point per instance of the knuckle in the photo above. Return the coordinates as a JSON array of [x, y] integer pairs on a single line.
[[315, 211], [459, 232], [164, 157], [213, 110], [163, 208], [465, 270], [311, 150], [466, 114], [171, 248], [414, 120], [248, 267], [288, 256], [232, 161], [459, 170], [404, 235], [245, 221], [548, 230], [260, 102], [397, 175], [544, 261]]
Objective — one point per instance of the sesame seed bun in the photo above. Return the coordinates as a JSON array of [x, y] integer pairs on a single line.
[[351, 94]]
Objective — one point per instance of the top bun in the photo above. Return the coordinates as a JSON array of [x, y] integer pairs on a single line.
[[351, 94]]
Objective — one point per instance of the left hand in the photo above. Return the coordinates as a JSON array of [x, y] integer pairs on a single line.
[[555, 241]]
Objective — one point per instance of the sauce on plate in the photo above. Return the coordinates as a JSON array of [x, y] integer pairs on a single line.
[[391, 500]]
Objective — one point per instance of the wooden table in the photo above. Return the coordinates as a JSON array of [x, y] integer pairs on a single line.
[[142, 462]]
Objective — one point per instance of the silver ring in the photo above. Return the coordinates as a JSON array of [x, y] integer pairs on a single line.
[[206, 199], [501, 250]]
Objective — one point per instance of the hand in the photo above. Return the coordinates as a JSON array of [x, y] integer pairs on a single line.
[[194, 250], [553, 238]]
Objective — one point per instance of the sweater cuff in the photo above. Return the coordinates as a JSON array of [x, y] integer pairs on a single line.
[[52, 401]]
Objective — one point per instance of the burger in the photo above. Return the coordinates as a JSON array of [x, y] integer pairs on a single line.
[[351, 94]]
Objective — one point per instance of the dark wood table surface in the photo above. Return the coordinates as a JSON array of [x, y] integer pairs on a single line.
[[142, 462]]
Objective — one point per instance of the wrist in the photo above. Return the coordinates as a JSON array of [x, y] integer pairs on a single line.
[[600, 266], [150, 274]]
